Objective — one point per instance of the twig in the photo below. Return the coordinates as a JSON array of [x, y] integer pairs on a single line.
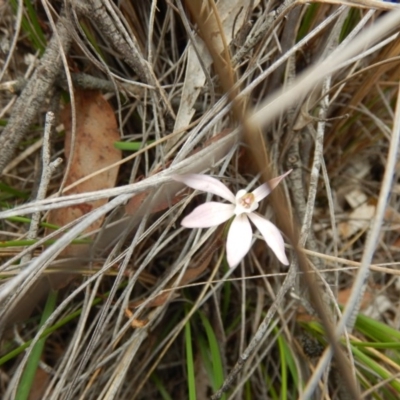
[[34, 94], [48, 169]]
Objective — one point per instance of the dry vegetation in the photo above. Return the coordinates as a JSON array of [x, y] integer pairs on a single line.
[[104, 295]]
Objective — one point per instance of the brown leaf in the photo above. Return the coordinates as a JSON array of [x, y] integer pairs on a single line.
[[96, 131]]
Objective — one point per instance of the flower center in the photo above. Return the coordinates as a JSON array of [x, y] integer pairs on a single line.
[[247, 200]]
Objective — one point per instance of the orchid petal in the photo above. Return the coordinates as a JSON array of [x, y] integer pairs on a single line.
[[208, 214], [206, 184], [265, 189], [239, 240], [271, 235]]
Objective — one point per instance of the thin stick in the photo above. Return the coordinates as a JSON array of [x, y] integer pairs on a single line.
[[48, 169]]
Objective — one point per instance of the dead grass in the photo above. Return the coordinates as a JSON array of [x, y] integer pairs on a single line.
[[240, 90]]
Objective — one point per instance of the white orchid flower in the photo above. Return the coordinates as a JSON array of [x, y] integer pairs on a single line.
[[242, 208]]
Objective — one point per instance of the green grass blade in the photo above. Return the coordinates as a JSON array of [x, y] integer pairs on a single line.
[[190, 362], [26, 220], [8, 192], [269, 385], [308, 19], [218, 370], [131, 146], [376, 330], [161, 388], [283, 357], [31, 367], [376, 368], [15, 352], [31, 25], [205, 355], [30, 242]]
